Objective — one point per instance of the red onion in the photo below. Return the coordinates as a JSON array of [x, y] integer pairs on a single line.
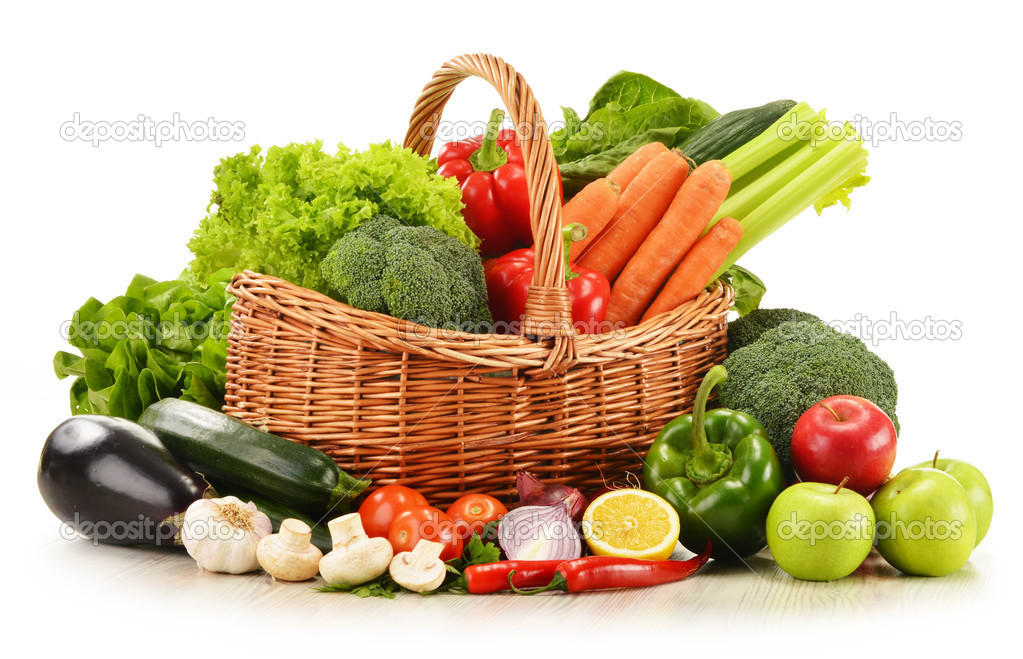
[[539, 533], [533, 492]]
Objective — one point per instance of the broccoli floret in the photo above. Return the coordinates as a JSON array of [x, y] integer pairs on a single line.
[[353, 268], [415, 284], [470, 302], [796, 365], [747, 329], [413, 272]]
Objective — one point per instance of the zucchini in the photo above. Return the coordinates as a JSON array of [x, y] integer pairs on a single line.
[[731, 130], [278, 513], [226, 451]]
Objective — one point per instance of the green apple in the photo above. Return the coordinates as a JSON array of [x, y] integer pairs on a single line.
[[925, 522], [976, 487], [818, 532]]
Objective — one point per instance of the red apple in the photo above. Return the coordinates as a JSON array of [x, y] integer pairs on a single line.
[[844, 436]]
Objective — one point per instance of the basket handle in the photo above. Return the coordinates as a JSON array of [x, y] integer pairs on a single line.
[[548, 310]]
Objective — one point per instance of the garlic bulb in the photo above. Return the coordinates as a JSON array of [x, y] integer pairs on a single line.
[[222, 534]]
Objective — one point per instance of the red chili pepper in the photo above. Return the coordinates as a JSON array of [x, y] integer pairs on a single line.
[[510, 276], [602, 572], [494, 577], [490, 172]]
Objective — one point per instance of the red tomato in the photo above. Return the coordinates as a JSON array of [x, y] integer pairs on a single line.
[[425, 523], [385, 503], [473, 512]]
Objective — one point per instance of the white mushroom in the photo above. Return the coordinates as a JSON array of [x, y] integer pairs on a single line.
[[421, 569], [289, 555], [356, 558]]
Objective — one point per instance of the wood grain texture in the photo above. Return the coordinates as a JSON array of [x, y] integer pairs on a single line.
[[755, 592]]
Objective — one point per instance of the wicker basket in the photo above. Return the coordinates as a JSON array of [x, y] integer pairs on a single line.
[[449, 413]]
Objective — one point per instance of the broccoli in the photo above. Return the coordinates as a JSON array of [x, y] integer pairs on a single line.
[[796, 365], [412, 272], [744, 331]]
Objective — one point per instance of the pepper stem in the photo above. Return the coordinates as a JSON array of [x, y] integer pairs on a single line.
[[489, 157], [573, 233], [707, 462], [558, 582]]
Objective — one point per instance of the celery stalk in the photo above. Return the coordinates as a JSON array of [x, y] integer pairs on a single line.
[[771, 142], [837, 167], [774, 181], [755, 193]]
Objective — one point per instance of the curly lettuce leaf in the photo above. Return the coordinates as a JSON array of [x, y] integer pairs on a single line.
[[281, 212]]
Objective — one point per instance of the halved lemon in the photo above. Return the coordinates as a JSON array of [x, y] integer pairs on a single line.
[[630, 523]]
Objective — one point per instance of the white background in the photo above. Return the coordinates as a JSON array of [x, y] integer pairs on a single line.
[[934, 235]]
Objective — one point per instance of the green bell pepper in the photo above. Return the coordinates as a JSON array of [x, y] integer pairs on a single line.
[[719, 471]]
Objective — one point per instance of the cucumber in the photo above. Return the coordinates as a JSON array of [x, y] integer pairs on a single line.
[[226, 451], [731, 130], [278, 513]]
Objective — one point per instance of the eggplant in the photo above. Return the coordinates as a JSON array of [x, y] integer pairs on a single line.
[[114, 482]]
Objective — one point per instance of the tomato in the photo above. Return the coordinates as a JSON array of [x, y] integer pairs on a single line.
[[425, 523], [384, 504], [473, 512]]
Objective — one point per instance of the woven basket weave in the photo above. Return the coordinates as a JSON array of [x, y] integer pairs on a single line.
[[448, 412]]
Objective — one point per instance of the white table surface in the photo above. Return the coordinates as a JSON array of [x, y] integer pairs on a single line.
[[140, 595]]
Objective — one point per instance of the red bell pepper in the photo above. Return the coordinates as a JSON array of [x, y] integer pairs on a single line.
[[490, 172], [509, 278]]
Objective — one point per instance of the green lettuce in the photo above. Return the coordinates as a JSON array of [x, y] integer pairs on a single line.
[[160, 339], [628, 111], [280, 213], [749, 289]]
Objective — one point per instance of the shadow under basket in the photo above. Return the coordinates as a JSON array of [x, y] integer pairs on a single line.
[[451, 412]]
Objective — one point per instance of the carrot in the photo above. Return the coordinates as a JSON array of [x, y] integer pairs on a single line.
[[641, 206], [692, 209], [698, 266], [631, 166], [593, 207]]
